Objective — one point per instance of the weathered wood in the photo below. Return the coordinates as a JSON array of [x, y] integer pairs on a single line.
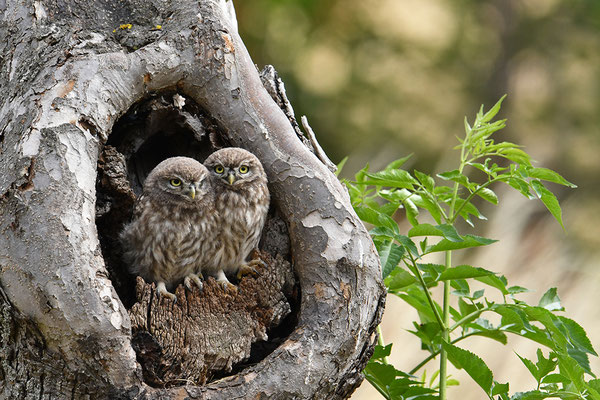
[[68, 72], [211, 332]]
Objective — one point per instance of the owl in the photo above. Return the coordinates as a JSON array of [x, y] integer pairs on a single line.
[[171, 236], [242, 203]]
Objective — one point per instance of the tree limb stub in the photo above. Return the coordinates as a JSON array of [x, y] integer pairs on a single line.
[[58, 110]]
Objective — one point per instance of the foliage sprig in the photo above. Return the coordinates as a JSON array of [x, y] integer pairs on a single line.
[[562, 369]]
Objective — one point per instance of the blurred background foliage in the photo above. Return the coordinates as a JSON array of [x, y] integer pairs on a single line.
[[379, 79]]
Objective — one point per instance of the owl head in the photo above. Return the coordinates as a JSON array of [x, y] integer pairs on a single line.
[[178, 181], [234, 168]]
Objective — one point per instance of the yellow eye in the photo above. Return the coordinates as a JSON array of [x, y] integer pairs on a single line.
[[175, 182], [243, 169], [219, 169]]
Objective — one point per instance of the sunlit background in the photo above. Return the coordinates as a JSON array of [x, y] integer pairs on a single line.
[[379, 79]]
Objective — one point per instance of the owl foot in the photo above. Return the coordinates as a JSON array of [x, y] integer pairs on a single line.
[[163, 292], [196, 279], [248, 269], [224, 282]]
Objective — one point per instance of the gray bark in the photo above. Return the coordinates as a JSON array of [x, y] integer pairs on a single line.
[[68, 71]]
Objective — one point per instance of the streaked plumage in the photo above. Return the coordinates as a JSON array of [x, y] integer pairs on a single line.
[[172, 234], [242, 203]]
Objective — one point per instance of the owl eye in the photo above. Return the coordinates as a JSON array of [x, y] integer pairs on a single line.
[[219, 169], [244, 169], [175, 182]]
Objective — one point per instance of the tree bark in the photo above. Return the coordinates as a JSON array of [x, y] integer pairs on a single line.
[[68, 71]]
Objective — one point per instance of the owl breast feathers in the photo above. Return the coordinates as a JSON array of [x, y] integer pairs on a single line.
[[173, 232], [242, 202]]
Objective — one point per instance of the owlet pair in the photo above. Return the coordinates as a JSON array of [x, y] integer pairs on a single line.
[[195, 219]]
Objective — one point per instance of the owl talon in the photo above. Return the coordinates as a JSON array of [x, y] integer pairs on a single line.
[[195, 278], [229, 287], [224, 282], [248, 269], [163, 292]]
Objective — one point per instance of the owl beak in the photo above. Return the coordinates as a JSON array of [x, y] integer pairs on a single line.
[[231, 178], [192, 192]]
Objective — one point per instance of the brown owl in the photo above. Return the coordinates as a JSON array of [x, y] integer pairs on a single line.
[[171, 236], [242, 202]]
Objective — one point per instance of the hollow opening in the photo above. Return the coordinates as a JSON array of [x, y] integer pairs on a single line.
[[163, 125]]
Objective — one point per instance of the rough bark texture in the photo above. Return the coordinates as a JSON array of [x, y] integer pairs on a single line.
[[209, 333], [68, 71]]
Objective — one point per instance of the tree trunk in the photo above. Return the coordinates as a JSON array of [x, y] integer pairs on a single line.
[[83, 116]]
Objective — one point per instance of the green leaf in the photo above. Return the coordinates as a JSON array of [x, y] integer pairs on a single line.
[[382, 374], [412, 212], [467, 209], [340, 166], [495, 282], [445, 230], [551, 301], [493, 111], [427, 204], [390, 254], [594, 384], [532, 395], [472, 364], [426, 180], [577, 335], [408, 245], [493, 334], [381, 352], [360, 175], [397, 178], [517, 156], [521, 185], [531, 367], [399, 279], [517, 290], [416, 298], [500, 388], [545, 365], [429, 333], [376, 218], [546, 174], [488, 195], [397, 163], [388, 208], [549, 200], [513, 317], [455, 176], [468, 242], [556, 378], [571, 368], [406, 388], [463, 272]]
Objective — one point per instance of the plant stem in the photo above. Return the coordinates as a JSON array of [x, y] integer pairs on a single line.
[[438, 317], [460, 322], [435, 354], [445, 332], [381, 342]]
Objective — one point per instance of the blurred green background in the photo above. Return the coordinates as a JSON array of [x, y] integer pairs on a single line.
[[379, 79]]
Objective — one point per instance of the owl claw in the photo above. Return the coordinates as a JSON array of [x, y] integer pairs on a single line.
[[248, 269], [229, 287], [163, 292], [195, 278], [224, 282]]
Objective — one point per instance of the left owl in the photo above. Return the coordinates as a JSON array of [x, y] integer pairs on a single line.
[[170, 237]]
